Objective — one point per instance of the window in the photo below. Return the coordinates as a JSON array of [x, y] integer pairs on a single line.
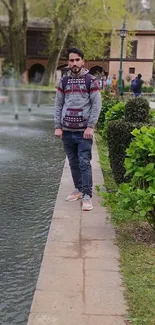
[[132, 50], [132, 70]]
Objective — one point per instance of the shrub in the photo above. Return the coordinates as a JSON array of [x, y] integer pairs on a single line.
[[137, 110], [152, 115], [119, 137], [145, 89], [139, 194], [148, 89], [115, 112], [126, 88], [108, 100]]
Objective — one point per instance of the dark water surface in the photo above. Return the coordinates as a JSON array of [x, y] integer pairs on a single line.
[[31, 163]]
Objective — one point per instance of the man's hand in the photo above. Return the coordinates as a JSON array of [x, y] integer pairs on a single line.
[[58, 133], [88, 133]]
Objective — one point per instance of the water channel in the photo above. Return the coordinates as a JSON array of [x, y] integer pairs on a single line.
[[31, 163]]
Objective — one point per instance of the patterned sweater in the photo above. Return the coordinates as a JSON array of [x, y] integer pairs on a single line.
[[77, 107]]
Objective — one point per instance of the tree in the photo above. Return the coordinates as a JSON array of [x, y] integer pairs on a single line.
[[14, 33], [144, 9], [84, 21]]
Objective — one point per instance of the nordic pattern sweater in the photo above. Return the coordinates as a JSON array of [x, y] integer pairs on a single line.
[[77, 107]]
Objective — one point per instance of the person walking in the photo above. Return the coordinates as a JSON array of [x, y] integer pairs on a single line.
[[115, 85], [136, 85], [78, 105], [109, 82]]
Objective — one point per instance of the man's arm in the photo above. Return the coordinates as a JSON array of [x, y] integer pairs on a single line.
[[59, 102], [96, 104]]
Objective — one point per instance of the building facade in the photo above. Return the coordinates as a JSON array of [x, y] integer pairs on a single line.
[[140, 59], [141, 55]]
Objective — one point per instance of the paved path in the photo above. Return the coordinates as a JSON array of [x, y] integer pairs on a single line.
[[79, 281], [152, 105]]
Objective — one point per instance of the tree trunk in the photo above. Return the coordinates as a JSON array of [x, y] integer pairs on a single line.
[[16, 35], [50, 71], [53, 59]]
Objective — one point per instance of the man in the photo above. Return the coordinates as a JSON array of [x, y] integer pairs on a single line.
[[78, 105], [136, 85]]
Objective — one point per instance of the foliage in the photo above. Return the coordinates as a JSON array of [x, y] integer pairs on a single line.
[[71, 25], [152, 115], [136, 259], [108, 101], [147, 89], [115, 112], [104, 162], [126, 88], [119, 137], [139, 194], [137, 110], [14, 36]]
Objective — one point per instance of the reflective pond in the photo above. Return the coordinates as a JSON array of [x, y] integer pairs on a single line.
[[31, 163]]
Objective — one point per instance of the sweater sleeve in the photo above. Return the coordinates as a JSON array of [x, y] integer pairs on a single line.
[[96, 103], [59, 102]]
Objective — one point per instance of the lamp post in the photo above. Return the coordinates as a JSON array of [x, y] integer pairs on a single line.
[[123, 33]]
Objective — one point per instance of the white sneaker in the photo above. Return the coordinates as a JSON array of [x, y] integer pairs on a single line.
[[87, 203], [76, 195]]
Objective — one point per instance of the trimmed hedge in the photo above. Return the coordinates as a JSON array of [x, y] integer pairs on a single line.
[[145, 89], [108, 101], [119, 138], [137, 110]]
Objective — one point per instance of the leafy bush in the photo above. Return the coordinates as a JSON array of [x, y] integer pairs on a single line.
[[108, 101], [139, 194], [115, 112], [145, 89], [137, 110], [119, 137], [126, 88], [148, 89], [152, 115]]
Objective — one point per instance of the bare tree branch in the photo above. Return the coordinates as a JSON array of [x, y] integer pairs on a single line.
[[4, 34], [6, 5], [25, 15], [106, 15]]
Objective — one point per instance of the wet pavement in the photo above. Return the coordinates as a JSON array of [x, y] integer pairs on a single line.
[[31, 163]]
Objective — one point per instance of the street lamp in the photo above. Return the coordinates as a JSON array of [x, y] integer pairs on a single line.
[[123, 33]]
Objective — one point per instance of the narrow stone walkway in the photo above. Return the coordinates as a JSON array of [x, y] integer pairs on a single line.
[[79, 281]]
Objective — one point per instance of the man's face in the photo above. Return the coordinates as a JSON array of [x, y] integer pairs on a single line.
[[75, 63]]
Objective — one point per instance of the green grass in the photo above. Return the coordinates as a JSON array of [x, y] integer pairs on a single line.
[[104, 162], [137, 260]]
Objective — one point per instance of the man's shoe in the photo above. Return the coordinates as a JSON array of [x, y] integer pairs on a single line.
[[87, 203], [76, 195]]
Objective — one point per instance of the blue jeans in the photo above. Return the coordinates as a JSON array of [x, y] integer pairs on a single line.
[[136, 94], [78, 151]]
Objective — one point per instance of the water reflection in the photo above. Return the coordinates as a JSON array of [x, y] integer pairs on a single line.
[[31, 162]]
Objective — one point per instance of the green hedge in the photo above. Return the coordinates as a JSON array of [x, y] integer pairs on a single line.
[[127, 88], [137, 110], [137, 113], [145, 89], [108, 101], [115, 112], [119, 138]]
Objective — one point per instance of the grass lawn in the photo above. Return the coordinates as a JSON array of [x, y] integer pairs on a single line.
[[136, 241]]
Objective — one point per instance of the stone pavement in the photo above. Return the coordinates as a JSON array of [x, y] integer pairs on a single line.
[[79, 281]]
